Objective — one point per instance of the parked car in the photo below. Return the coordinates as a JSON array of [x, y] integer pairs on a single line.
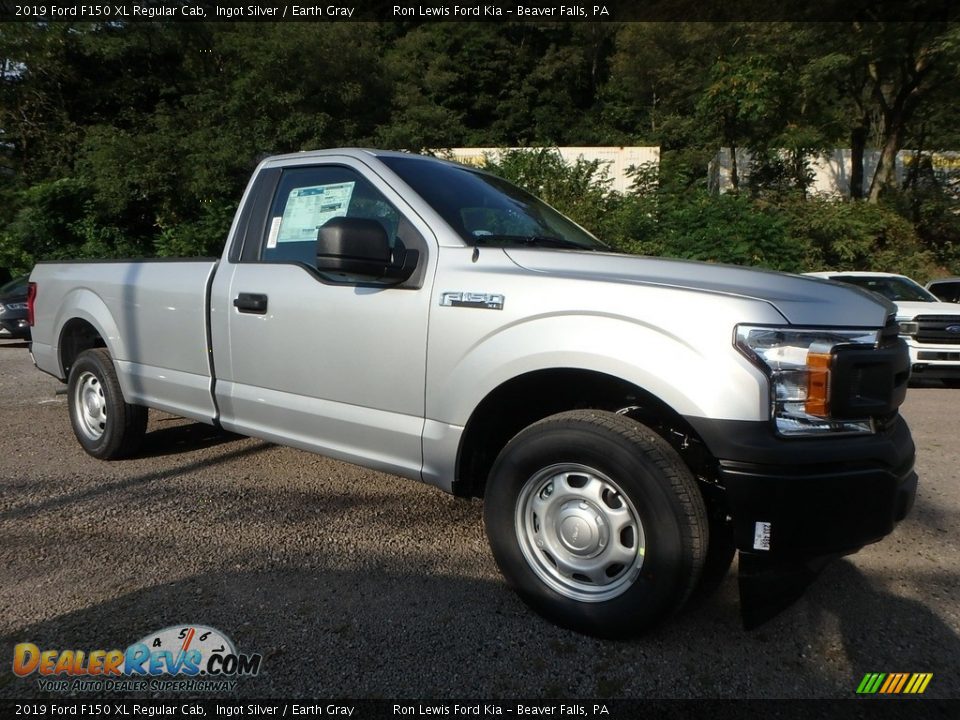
[[930, 327], [13, 309], [946, 289], [629, 422]]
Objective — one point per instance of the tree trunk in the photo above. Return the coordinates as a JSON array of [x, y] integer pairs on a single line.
[[734, 175], [885, 178], [912, 178], [799, 170], [858, 142]]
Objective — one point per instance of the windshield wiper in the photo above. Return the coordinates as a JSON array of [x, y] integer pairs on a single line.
[[530, 240]]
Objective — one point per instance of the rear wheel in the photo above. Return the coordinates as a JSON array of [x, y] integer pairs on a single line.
[[106, 426], [596, 522]]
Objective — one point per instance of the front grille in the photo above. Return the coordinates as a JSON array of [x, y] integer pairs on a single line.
[[942, 356], [932, 329]]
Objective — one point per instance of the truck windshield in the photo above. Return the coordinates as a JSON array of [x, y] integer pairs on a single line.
[[486, 210], [893, 288]]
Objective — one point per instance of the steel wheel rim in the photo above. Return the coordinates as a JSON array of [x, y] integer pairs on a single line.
[[579, 532], [91, 406]]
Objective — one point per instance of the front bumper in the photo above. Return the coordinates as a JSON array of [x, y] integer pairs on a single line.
[[817, 508], [798, 503]]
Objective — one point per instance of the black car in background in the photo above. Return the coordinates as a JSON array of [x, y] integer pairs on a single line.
[[13, 309]]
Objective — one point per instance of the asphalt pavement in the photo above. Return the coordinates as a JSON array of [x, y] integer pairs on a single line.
[[356, 584]]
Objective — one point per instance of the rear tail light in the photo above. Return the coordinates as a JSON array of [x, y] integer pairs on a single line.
[[31, 300]]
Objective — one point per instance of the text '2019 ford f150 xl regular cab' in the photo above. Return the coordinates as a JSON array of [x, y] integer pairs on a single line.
[[629, 422]]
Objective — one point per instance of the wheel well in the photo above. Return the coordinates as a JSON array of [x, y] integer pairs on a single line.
[[77, 335], [525, 399]]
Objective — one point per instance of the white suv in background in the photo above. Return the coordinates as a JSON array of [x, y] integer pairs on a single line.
[[930, 327]]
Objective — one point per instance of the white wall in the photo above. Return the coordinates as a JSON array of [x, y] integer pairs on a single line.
[[617, 159], [831, 172]]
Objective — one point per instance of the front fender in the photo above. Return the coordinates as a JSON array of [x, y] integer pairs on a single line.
[[706, 378]]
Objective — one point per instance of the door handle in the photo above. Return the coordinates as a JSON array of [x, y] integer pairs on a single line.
[[251, 303]]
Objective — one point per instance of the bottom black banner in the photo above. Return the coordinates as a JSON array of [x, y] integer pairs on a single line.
[[665, 709]]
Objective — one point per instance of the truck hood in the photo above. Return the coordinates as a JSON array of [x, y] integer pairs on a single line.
[[801, 300], [910, 310]]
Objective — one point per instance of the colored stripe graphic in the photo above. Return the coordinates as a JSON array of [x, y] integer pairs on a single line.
[[870, 683], [894, 683]]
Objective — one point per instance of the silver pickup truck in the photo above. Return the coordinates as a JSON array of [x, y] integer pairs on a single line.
[[629, 422]]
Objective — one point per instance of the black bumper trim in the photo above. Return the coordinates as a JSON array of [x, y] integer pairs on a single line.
[[813, 515], [754, 443], [821, 496]]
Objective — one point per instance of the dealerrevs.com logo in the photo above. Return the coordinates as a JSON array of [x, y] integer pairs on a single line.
[[177, 658]]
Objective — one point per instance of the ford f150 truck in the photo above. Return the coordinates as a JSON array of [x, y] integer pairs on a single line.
[[629, 422]]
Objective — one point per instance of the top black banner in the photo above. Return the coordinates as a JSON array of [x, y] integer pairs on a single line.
[[70, 11]]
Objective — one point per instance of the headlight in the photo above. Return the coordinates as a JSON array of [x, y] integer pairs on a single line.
[[909, 328], [798, 363]]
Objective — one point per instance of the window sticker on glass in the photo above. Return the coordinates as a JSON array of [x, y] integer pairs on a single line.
[[274, 233], [310, 207]]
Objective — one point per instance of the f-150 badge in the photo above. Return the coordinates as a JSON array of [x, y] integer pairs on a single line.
[[485, 301]]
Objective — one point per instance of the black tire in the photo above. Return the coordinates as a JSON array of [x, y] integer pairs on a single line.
[[607, 471], [720, 553], [106, 426]]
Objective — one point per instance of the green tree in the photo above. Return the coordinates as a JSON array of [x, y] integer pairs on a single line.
[[886, 79]]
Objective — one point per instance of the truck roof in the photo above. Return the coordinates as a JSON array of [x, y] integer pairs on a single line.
[[358, 153]]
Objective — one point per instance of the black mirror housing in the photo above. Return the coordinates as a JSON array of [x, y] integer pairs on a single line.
[[357, 246]]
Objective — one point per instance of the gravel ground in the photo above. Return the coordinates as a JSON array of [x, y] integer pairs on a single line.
[[356, 584]]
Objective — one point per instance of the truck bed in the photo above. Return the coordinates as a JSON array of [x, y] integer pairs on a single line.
[[153, 314]]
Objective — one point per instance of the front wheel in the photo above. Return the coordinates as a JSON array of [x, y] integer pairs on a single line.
[[106, 426], [596, 522]]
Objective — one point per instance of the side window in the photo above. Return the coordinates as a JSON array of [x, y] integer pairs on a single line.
[[308, 197]]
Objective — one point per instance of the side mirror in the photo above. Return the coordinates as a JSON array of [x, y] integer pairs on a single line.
[[357, 246], [360, 246]]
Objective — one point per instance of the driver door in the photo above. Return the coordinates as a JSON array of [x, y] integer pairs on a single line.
[[319, 360]]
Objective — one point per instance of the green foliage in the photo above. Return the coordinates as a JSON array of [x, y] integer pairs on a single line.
[[580, 190], [138, 138], [932, 202], [742, 97], [13, 257], [203, 236], [45, 224], [844, 235], [787, 233], [728, 229], [56, 220], [466, 84]]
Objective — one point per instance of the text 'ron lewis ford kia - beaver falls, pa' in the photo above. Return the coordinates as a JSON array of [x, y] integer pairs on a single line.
[[630, 423]]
